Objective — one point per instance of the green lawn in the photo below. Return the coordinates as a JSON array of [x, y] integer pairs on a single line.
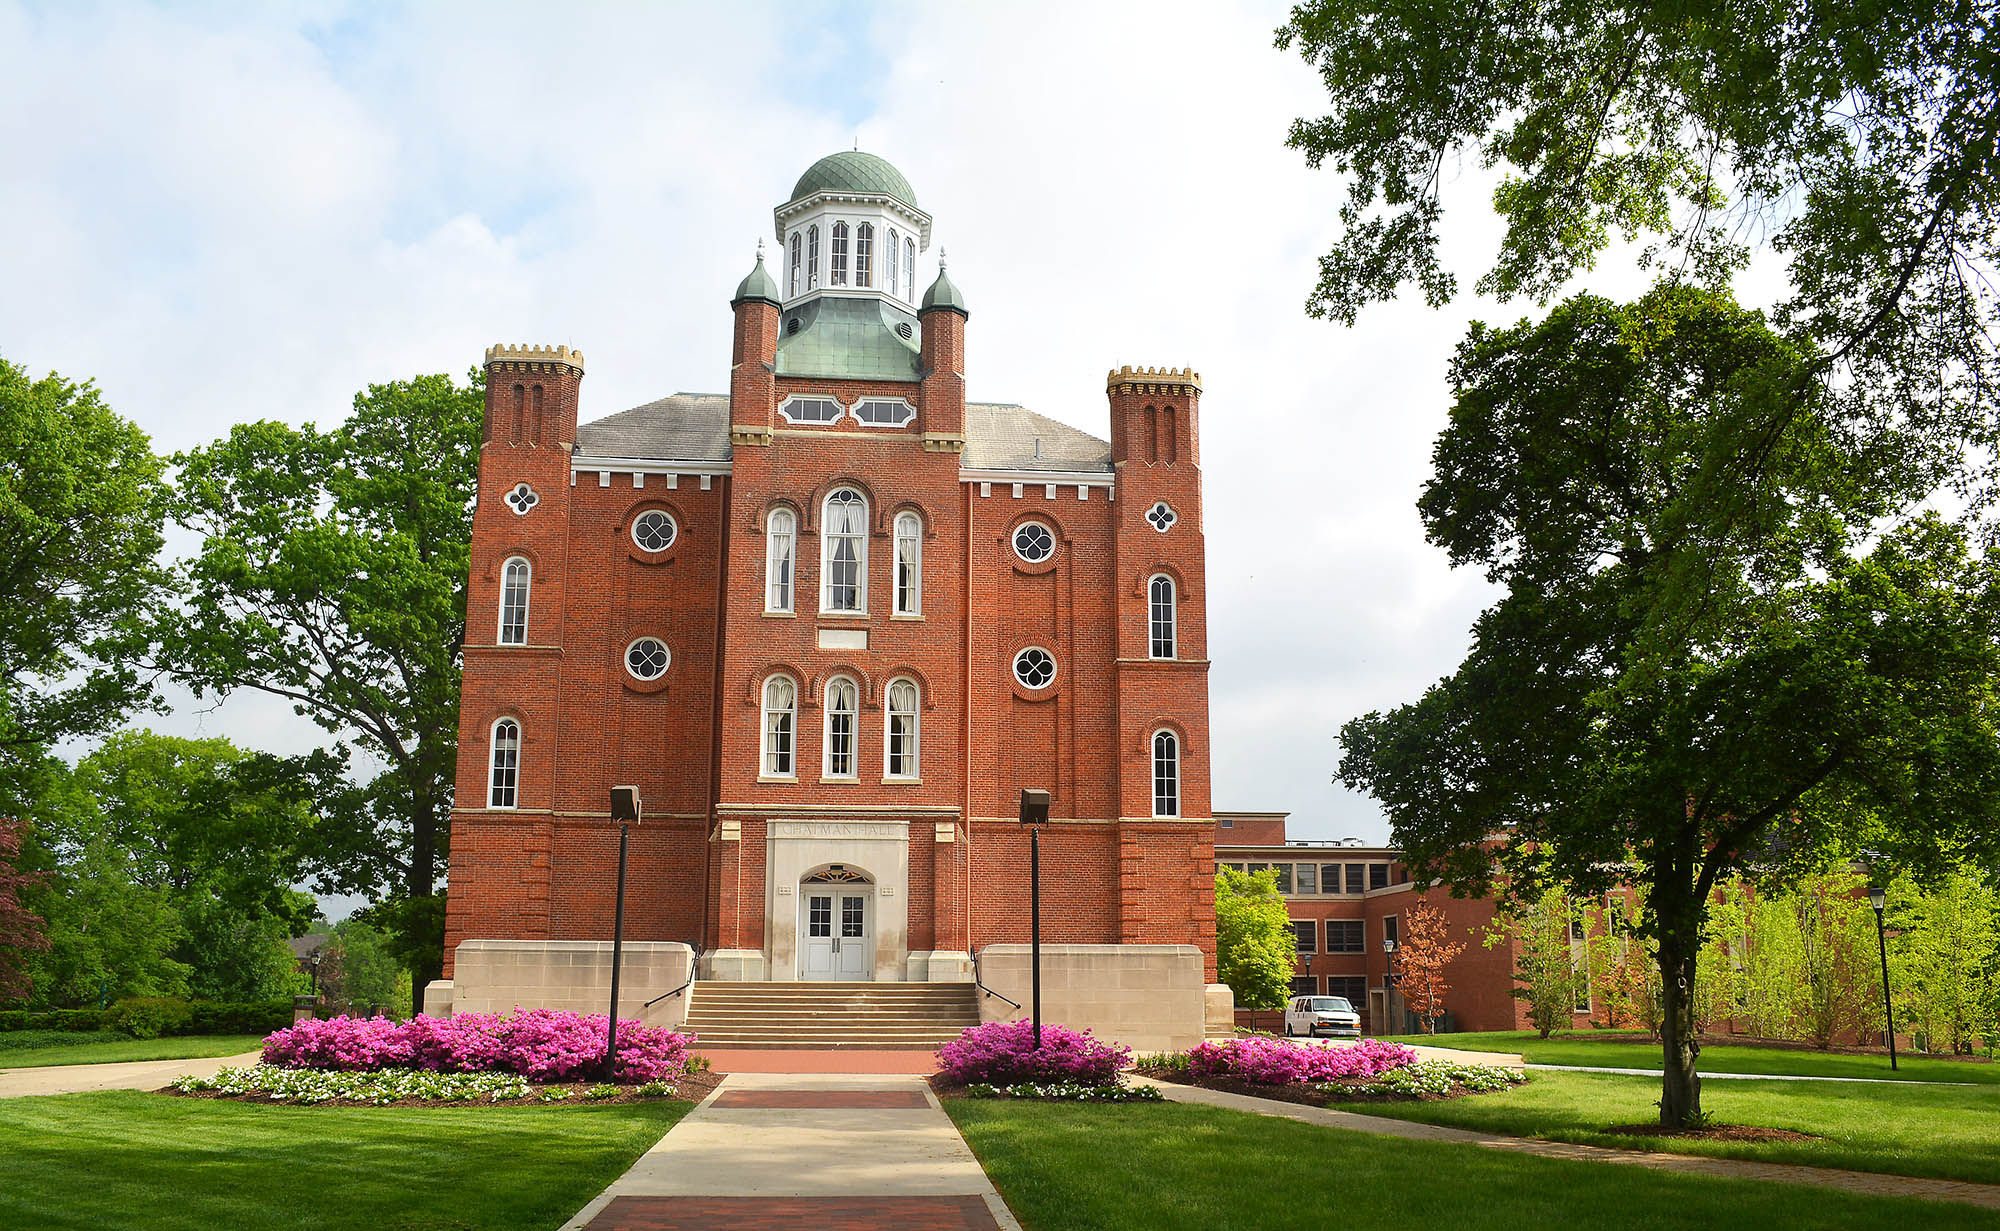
[[186, 1048], [150, 1162], [1913, 1129], [1161, 1167], [1579, 1048]]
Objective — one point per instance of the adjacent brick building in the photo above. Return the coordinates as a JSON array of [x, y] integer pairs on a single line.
[[830, 623]]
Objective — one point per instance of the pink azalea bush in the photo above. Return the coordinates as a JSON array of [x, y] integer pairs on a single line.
[[539, 1044], [1274, 1062], [1003, 1053]]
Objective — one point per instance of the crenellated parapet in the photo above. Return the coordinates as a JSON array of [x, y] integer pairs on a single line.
[[1165, 382], [525, 358]]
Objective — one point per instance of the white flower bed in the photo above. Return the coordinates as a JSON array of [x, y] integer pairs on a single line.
[[380, 1086], [1074, 1091], [1433, 1077]]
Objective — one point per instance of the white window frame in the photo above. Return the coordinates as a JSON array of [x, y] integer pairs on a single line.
[[797, 260], [520, 626], [836, 255], [826, 553], [909, 578], [1166, 775], [781, 548], [910, 266], [913, 737], [1055, 668], [904, 412], [812, 257], [784, 411], [503, 765], [1014, 541], [789, 712], [895, 250], [673, 531], [1162, 616], [626, 658], [842, 697], [864, 254]]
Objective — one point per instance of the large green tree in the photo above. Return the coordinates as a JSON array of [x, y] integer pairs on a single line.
[[1859, 144], [1255, 948], [81, 502], [1705, 665], [332, 573]]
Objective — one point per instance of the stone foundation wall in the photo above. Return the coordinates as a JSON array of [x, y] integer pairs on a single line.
[[498, 976], [1151, 998]]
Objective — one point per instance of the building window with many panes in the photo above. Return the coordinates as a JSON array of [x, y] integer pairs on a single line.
[[842, 707], [844, 552]]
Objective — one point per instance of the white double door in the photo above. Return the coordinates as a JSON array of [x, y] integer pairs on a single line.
[[836, 940]]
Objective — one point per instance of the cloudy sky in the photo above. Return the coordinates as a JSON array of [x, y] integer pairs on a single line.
[[224, 213]]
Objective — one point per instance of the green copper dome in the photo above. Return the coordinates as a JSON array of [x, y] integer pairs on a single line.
[[943, 294], [759, 285], [854, 171]]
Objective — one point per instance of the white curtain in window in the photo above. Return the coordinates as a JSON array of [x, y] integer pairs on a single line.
[[843, 553], [901, 761], [909, 564], [780, 704], [780, 530], [841, 706]]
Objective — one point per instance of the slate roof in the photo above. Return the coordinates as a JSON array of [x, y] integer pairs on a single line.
[[854, 171], [694, 427]]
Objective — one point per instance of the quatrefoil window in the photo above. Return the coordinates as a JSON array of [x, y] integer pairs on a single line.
[[522, 498], [1162, 515]]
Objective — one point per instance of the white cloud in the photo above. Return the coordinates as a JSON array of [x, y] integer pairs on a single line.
[[225, 215]]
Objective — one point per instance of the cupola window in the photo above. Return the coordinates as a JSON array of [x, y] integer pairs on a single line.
[[909, 265], [797, 242], [890, 263], [838, 277], [864, 254], [812, 257]]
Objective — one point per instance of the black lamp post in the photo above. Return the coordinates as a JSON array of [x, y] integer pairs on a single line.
[[1035, 814], [1878, 896], [1389, 983], [625, 811]]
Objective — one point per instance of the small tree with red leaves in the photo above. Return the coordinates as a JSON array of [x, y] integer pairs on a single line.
[[1421, 956], [21, 930]]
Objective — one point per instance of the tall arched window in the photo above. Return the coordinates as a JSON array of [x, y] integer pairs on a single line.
[[844, 552], [506, 780], [839, 273], [1166, 774], [864, 253], [797, 249], [909, 564], [781, 699], [812, 257], [889, 264], [1162, 619], [900, 757], [842, 708], [910, 266], [780, 531], [514, 602]]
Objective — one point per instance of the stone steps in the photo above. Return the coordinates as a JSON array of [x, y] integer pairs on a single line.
[[843, 1014]]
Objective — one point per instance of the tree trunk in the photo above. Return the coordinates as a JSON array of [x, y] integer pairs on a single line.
[[1680, 1086]]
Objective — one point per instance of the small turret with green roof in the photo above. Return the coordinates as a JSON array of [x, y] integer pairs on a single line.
[[758, 285], [944, 293]]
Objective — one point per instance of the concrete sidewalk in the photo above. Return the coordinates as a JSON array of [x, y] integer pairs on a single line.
[[1866, 1081], [1986, 1196], [136, 1075], [791, 1150]]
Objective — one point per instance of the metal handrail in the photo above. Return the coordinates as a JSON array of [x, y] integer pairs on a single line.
[[978, 983], [694, 968]]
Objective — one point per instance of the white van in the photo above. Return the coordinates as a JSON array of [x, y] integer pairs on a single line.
[[1315, 1015]]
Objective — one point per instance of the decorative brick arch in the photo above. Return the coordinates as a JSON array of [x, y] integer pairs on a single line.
[[1183, 588], [755, 693], [816, 690], [498, 560], [929, 694], [809, 516]]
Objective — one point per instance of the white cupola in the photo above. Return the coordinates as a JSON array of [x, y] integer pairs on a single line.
[[851, 228]]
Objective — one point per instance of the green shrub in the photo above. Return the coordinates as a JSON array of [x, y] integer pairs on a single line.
[[253, 1017], [51, 1019], [28, 1040], [149, 1017]]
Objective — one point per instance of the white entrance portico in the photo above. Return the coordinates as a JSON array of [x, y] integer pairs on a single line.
[[836, 900]]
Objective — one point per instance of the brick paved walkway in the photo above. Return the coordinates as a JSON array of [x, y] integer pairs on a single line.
[[1986, 1196], [792, 1150]]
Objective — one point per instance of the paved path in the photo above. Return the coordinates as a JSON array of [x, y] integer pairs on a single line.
[[917, 1061], [1882, 1081], [770, 1150], [135, 1075], [1986, 1196]]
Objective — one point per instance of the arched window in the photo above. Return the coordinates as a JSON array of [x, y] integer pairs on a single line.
[[1162, 621], [812, 257], [781, 699], [506, 764], [910, 266], [889, 265], [839, 273], [844, 552], [780, 530], [909, 564], [1166, 774], [797, 242], [842, 707], [864, 253], [514, 580], [900, 757]]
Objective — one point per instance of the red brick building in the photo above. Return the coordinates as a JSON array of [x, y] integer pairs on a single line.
[[830, 623], [1347, 898]]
